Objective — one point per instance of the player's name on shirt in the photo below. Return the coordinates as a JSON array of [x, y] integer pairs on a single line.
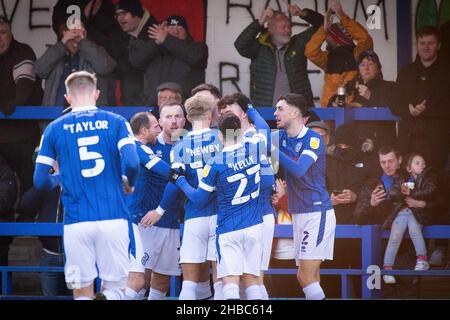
[[242, 164], [203, 150], [86, 126]]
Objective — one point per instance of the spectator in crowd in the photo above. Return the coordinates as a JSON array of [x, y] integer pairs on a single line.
[[103, 29], [8, 195], [375, 205], [19, 87], [73, 52], [169, 92], [47, 204], [339, 59], [213, 93], [143, 53], [350, 165], [322, 129], [134, 21], [183, 60], [278, 64], [369, 89], [422, 102], [414, 197]]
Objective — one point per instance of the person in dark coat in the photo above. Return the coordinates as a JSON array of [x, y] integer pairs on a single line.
[[422, 101], [278, 63]]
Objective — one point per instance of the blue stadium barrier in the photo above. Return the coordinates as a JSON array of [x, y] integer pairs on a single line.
[[370, 236]]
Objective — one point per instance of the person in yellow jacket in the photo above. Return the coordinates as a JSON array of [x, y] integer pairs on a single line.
[[339, 59]]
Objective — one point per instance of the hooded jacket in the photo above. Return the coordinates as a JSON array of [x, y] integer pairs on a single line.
[[351, 172]]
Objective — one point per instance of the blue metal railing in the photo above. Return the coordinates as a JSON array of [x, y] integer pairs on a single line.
[[370, 236], [339, 115]]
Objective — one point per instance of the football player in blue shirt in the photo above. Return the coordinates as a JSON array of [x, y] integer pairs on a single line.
[[145, 128], [302, 155], [235, 175], [162, 240], [242, 107], [198, 247], [88, 144]]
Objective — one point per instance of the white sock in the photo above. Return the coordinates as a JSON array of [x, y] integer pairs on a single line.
[[142, 294], [83, 298], [188, 290], [156, 295], [230, 291], [130, 294], [265, 295], [204, 291], [314, 292], [253, 293], [218, 293], [114, 294]]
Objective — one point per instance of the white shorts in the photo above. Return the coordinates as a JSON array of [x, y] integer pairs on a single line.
[[199, 240], [240, 252], [96, 244], [314, 235], [138, 262], [268, 228], [162, 250]]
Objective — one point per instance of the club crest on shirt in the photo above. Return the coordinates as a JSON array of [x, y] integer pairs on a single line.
[[298, 147], [159, 153], [314, 143], [283, 143]]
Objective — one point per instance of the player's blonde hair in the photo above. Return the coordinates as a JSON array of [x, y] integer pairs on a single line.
[[81, 82], [198, 106]]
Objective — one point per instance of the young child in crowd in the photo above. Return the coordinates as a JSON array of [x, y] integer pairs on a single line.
[[414, 197]]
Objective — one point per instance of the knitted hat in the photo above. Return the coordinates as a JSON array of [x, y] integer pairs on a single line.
[[177, 21], [339, 34], [132, 6]]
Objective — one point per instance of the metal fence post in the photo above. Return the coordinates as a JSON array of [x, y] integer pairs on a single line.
[[371, 255]]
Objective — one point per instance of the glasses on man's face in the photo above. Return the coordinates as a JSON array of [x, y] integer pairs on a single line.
[[120, 14]]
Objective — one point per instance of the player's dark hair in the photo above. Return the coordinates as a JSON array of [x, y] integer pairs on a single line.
[[207, 87], [384, 150], [298, 101], [229, 122], [140, 120], [428, 31]]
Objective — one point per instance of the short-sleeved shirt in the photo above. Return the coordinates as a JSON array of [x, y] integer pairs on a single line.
[[193, 152], [308, 193], [235, 176], [86, 143]]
